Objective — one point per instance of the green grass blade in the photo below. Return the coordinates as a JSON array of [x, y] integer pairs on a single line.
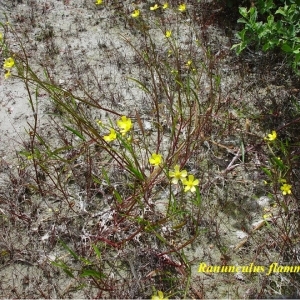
[[77, 133], [92, 273], [140, 84], [97, 251], [70, 250]]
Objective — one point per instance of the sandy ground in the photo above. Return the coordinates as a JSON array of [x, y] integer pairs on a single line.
[[88, 41]]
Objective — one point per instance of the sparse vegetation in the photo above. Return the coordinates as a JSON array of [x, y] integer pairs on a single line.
[[134, 173]]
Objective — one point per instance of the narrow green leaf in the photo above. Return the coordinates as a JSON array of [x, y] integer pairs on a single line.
[[198, 196], [92, 273], [59, 264], [85, 261], [140, 83], [267, 171], [61, 149], [68, 272], [279, 163], [195, 94], [63, 266], [96, 179], [117, 195], [70, 250], [75, 132], [97, 251], [135, 171], [160, 237], [179, 83], [25, 153], [106, 178]]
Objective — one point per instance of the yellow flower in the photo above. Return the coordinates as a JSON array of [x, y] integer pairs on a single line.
[[168, 33], [155, 159], [112, 136], [98, 2], [124, 124], [136, 13], [7, 74], [286, 189], [159, 296], [182, 7], [189, 62], [155, 7], [165, 6], [8, 63], [267, 216], [271, 136], [177, 174], [190, 184], [1, 36]]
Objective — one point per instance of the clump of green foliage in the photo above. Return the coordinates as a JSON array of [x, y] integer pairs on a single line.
[[272, 26]]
